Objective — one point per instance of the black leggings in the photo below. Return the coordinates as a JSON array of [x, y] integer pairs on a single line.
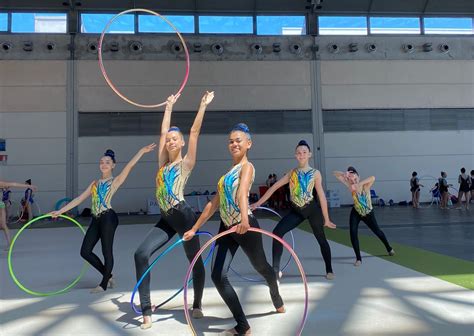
[[313, 213], [251, 243], [371, 222], [103, 228], [178, 220]]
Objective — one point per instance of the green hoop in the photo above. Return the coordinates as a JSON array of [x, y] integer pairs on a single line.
[[10, 264]]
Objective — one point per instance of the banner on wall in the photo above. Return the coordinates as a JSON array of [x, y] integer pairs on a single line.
[[3, 146]]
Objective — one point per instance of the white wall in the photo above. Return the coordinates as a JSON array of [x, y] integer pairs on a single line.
[[393, 156], [397, 84], [33, 122]]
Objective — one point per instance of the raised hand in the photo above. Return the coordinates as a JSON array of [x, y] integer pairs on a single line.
[[172, 100], [149, 148], [207, 98]]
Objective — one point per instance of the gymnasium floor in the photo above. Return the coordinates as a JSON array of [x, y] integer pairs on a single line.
[[426, 289]]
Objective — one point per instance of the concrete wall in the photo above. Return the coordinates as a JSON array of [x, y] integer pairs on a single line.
[[33, 118], [33, 122], [392, 156]]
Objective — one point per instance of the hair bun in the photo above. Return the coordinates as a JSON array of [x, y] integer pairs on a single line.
[[303, 143], [352, 170], [111, 154], [174, 128], [241, 127]]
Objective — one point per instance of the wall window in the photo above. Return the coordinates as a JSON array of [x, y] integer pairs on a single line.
[[39, 22], [342, 25], [395, 25], [226, 24], [448, 25], [281, 25], [155, 24], [95, 23], [3, 21]]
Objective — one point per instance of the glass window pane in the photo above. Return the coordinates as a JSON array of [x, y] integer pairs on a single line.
[[39, 22], [448, 25], [3, 21], [226, 24], [281, 25], [95, 23], [342, 25], [155, 24], [395, 25]]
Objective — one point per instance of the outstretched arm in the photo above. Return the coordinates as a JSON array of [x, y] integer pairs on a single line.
[[207, 213], [165, 126], [190, 158], [280, 183], [126, 170], [322, 200], [4, 184], [74, 203]]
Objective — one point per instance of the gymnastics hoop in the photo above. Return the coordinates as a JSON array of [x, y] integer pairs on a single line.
[[104, 72], [162, 254], [289, 258], [10, 264], [225, 233]]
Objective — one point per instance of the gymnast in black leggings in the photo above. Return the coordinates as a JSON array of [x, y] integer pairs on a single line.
[[104, 219], [232, 200], [362, 209], [303, 181], [176, 215]]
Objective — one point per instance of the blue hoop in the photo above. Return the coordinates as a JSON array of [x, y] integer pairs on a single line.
[[162, 254], [289, 259]]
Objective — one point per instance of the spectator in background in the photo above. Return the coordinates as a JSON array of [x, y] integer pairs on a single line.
[[472, 186], [269, 180], [415, 190], [443, 188], [274, 179], [465, 183]]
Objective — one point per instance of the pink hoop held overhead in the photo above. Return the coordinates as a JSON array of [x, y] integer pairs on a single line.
[[104, 72]]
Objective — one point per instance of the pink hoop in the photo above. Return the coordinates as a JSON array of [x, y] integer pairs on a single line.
[[232, 230], [106, 77]]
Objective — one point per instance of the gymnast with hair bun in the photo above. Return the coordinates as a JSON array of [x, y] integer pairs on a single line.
[[176, 215], [304, 181], [104, 219]]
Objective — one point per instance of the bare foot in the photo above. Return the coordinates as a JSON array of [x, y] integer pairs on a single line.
[[232, 331], [330, 276], [111, 283], [281, 310], [197, 313], [146, 323], [97, 289]]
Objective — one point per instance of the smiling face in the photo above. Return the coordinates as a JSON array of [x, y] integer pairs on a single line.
[[174, 141], [106, 165], [353, 178], [302, 155], [239, 144]]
